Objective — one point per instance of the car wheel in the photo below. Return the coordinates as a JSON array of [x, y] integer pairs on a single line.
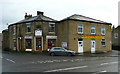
[[52, 54], [69, 54]]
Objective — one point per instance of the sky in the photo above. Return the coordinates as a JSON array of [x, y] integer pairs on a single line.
[[12, 11]]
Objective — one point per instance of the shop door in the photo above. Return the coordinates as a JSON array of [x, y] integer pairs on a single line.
[[93, 46], [28, 44], [80, 46], [38, 44]]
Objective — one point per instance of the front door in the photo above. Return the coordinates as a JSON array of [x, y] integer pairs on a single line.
[[93, 46], [38, 44], [80, 46]]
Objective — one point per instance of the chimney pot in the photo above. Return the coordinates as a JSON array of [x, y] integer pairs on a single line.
[[40, 13]]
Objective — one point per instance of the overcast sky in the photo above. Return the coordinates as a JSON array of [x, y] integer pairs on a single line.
[[14, 10]]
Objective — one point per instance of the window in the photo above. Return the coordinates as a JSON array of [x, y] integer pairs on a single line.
[[28, 43], [103, 42], [52, 42], [92, 29], [51, 27], [38, 26], [116, 35], [80, 28], [14, 43], [103, 30], [14, 30], [28, 27]]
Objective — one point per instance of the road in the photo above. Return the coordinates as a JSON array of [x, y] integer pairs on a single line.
[[29, 62]]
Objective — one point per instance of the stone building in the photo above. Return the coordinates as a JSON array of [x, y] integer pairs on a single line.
[[116, 37], [77, 32], [84, 34]]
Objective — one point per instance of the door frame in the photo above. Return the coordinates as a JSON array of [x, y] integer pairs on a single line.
[[79, 50], [93, 49]]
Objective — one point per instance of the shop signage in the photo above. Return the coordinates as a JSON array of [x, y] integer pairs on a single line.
[[38, 32], [64, 44], [28, 37], [51, 37], [92, 37]]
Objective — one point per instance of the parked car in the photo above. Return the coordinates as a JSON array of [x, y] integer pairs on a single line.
[[60, 51]]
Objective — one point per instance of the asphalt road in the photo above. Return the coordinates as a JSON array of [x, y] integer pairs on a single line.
[[28, 62]]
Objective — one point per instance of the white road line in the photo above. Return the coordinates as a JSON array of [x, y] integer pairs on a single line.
[[66, 69], [11, 60], [109, 63], [65, 60], [1, 57], [103, 71]]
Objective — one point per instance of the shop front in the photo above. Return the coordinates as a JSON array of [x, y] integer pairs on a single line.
[[28, 43], [51, 41]]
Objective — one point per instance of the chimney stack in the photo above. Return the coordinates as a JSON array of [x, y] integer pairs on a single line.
[[40, 13], [27, 16]]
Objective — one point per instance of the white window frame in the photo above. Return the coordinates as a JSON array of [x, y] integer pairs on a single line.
[[101, 42], [116, 35], [93, 28], [103, 28], [52, 26], [14, 30], [80, 27]]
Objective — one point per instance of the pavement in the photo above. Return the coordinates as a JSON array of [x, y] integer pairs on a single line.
[[31, 62]]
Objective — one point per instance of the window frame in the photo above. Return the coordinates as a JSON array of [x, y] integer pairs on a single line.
[[14, 43], [93, 29], [51, 27], [104, 41], [115, 34], [102, 30], [14, 30], [28, 26], [80, 26]]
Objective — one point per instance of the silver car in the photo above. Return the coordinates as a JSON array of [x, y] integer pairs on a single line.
[[60, 51]]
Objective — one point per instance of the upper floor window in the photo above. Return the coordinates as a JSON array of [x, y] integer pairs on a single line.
[[14, 43], [80, 28], [92, 29], [14, 30], [51, 27], [28, 27], [116, 35], [38, 26], [103, 42], [103, 30]]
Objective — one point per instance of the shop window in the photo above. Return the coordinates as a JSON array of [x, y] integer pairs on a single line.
[[51, 27], [14, 43], [28, 27], [92, 29], [103, 30], [103, 42], [51, 42], [28, 43], [14, 30], [80, 28], [38, 26], [116, 35]]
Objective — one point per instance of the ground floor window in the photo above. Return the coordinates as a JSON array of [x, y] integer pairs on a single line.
[[103, 42], [14, 43], [51, 43], [28, 44]]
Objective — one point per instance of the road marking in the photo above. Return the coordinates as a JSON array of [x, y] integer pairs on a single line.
[[11, 60], [66, 69], [109, 63], [65, 60], [103, 71], [1, 57], [104, 63]]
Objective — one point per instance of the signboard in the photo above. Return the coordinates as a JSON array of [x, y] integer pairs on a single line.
[[51, 37], [38, 32], [64, 44], [28, 37], [28, 50], [92, 37]]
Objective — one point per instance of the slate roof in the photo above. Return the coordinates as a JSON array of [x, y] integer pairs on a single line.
[[84, 18], [36, 18]]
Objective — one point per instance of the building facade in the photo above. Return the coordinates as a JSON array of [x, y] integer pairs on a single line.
[[77, 32], [116, 37]]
